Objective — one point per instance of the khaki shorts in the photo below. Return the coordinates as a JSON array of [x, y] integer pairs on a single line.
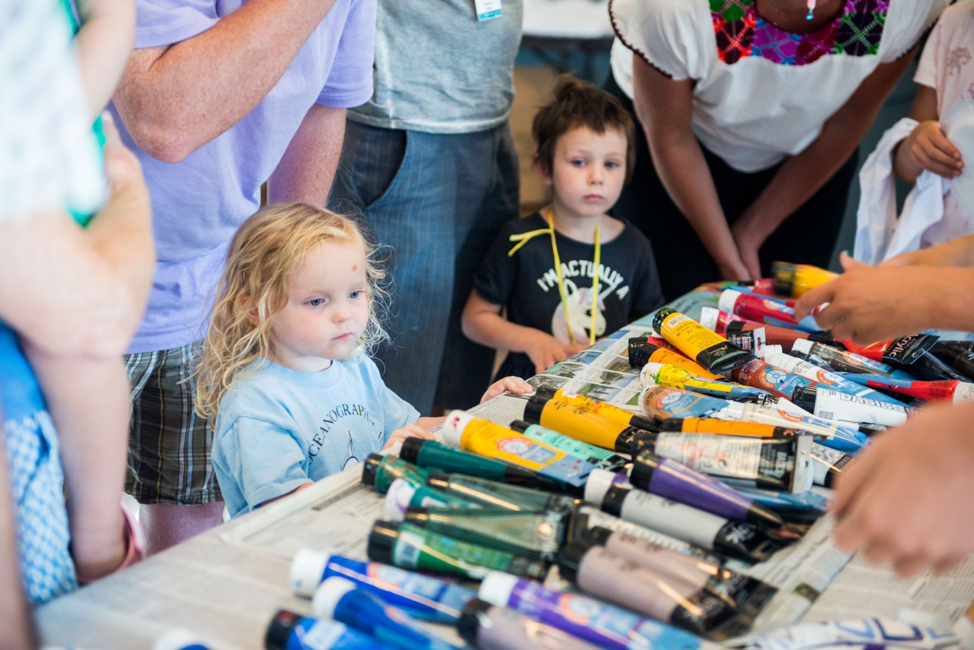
[[169, 444]]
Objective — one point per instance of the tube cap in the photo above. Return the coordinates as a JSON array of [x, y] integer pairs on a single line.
[[370, 468], [569, 559], [598, 483], [709, 317], [409, 451], [644, 423], [280, 629], [640, 352], [614, 497], [545, 392], [397, 499], [598, 535], [534, 408], [469, 623], [181, 639], [497, 588], [802, 347], [643, 467], [307, 570], [660, 317], [519, 425], [652, 368], [727, 300], [646, 378], [382, 540], [328, 594], [456, 422], [804, 397]]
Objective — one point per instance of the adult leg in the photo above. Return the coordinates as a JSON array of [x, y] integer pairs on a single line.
[[483, 208], [170, 468]]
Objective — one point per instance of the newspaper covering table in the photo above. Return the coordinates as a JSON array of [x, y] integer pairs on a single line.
[[226, 584]]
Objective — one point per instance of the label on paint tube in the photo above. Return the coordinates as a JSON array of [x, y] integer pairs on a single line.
[[761, 375], [593, 517], [724, 456], [407, 550], [671, 518], [833, 405]]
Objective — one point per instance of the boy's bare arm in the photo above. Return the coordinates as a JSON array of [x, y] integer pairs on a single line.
[[104, 43]]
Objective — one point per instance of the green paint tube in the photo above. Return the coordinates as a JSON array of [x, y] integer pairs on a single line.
[[601, 458], [532, 534], [430, 454], [381, 471], [412, 547], [492, 494], [404, 494]]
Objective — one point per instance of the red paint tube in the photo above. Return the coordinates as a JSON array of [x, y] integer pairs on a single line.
[[776, 381], [765, 311], [954, 391], [728, 324], [717, 320], [904, 350]]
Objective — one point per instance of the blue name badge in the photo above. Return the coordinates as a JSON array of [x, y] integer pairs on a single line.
[[487, 9]]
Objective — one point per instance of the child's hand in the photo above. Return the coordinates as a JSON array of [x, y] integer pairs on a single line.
[[509, 384], [545, 351], [408, 431], [929, 149]]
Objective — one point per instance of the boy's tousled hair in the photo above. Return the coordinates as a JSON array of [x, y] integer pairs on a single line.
[[576, 104], [254, 287]]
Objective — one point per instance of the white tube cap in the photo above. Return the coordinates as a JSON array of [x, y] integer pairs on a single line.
[[804, 346], [646, 378], [497, 588], [598, 483], [453, 428], [178, 639], [709, 317], [307, 570], [727, 300], [328, 594], [774, 355], [397, 500]]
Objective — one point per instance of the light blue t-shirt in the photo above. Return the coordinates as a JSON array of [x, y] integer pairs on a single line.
[[282, 428]]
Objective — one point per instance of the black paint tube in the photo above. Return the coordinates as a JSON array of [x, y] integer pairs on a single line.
[[942, 345], [959, 359], [929, 368]]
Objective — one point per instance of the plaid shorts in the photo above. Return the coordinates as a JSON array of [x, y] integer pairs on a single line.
[[169, 444]]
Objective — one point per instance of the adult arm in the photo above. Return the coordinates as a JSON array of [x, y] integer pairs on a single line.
[[176, 98], [103, 272], [927, 147], [306, 171], [956, 252], [104, 44], [664, 108], [803, 175]]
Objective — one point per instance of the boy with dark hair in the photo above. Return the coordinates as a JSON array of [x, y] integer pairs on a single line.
[[568, 273]]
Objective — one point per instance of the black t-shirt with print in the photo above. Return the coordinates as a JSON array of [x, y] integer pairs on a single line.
[[527, 283]]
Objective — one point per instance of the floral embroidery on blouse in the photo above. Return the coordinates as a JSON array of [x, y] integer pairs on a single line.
[[742, 33]]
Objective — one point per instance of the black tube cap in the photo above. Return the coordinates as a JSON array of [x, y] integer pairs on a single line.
[[545, 392], [519, 425], [382, 541], [569, 558], [280, 628], [804, 397], [370, 468], [534, 408], [660, 317], [644, 423], [469, 623], [598, 535], [643, 467], [640, 351], [612, 501], [410, 449]]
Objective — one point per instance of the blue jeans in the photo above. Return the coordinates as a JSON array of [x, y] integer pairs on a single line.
[[437, 201]]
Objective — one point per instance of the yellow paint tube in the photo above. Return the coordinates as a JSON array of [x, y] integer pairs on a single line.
[[798, 279], [656, 374], [582, 424], [709, 349]]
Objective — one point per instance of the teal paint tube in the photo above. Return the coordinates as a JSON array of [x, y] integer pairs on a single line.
[[601, 458], [492, 494], [403, 495], [380, 471]]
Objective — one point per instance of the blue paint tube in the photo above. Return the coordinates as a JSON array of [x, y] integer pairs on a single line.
[[872, 633], [604, 625], [827, 378], [290, 631], [421, 596], [340, 600]]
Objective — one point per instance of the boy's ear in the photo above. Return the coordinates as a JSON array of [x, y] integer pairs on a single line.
[[542, 169]]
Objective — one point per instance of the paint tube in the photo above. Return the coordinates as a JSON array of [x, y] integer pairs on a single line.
[[762, 310], [960, 359], [658, 374], [828, 465], [753, 341], [718, 320], [380, 472], [491, 494], [291, 631], [710, 350], [769, 378], [904, 350], [807, 506], [422, 597], [729, 325], [764, 292], [692, 525], [602, 409], [672, 480], [640, 355], [839, 435], [582, 424], [403, 495], [743, 593], [411, 547], [660, 403], [432, 455], [531, 534], [601, 458], [953, 391], [607, 575], [182, 639], [713, 426], [494, 441], [491, 627], [341, 600], [840, 360], [833, 405], [797, 279], [871, 633], [929, 368], [602, 624], [825, 377], [775, 463]]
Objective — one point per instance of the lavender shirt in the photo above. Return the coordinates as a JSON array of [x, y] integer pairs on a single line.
[[199, 203]]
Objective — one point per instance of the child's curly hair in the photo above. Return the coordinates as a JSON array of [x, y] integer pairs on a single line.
[[254, 288], [577, 104]]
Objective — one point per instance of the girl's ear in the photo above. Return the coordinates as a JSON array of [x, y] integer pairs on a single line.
[[542, 169], [246, 304]]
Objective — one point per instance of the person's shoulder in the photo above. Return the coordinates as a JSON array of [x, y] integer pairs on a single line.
[[630, 234], [957, 15], [663, 9], [519, 225]]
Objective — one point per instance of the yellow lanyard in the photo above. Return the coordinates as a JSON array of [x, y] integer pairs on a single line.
[[524, 238]]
